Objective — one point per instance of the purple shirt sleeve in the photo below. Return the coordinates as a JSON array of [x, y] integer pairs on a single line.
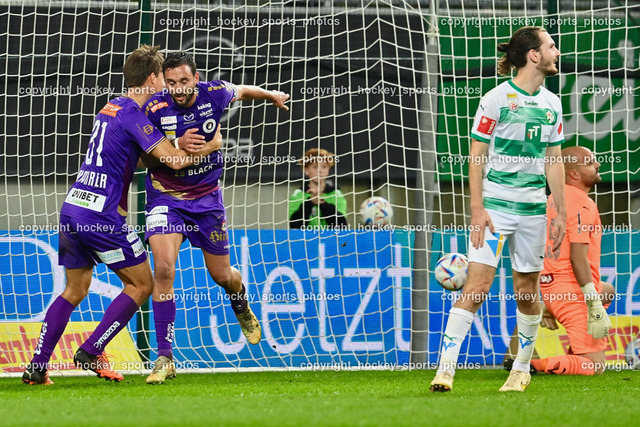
[[224, 93], [142, 131]]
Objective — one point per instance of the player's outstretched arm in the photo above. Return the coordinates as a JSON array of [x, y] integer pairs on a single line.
[[555, 178], [249, 93]]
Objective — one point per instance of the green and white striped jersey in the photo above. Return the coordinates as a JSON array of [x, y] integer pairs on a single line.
[[518, 128]]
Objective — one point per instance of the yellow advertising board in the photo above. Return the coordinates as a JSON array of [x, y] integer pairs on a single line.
[[19, 340], [624, 330]]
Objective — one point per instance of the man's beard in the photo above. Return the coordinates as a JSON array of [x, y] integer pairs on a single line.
[[188, 96]]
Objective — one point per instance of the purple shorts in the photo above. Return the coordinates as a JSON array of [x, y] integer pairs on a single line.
[[83, 243], [203, 221]]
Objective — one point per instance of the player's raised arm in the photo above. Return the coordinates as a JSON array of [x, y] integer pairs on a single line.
[[249, 93]]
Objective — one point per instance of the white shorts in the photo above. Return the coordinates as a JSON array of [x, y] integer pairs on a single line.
[[527, 236]]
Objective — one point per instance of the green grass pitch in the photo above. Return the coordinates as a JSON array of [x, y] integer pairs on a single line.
[[349, 398]]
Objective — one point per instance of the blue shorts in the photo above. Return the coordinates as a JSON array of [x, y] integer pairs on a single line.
[[83, 243], [203, 221]]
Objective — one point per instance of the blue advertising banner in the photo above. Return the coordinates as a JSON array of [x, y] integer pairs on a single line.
[[494, 323], [323, 298]]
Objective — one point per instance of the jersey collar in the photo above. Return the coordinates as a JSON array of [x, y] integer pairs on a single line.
[[522, 91]]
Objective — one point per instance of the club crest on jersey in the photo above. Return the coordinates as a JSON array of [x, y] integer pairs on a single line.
[[209, 126], [551, 118], [512, 100]]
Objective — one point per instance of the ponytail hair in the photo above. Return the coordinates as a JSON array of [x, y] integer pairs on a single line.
[[516, 50]]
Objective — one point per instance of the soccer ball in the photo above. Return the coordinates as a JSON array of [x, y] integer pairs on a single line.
[[632, 354], [451, 271], [376, 211]]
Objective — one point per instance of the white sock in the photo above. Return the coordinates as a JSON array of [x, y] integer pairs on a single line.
[[456, 331], [527, 334]]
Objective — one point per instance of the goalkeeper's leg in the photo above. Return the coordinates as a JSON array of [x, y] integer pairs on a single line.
[[479, 281], [587, 353], [165, 248]]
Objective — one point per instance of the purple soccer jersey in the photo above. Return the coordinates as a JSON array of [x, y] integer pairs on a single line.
[[195, 181], [92, 219], [121, 131]]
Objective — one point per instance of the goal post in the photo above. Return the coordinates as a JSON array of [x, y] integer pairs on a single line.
[[389, 87]]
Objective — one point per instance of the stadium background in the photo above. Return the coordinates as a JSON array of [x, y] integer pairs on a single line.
[[361, 79]]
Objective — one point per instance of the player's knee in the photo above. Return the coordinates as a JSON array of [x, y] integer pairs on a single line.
[[164, 272], [75, 294], [144, 288], [222, 278]]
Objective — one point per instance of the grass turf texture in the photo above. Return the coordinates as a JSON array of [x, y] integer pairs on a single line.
[[323, 398]]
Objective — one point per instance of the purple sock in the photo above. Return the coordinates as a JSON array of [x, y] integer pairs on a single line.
[[239, 301], [164, 316], [55, 321], [118, 314]]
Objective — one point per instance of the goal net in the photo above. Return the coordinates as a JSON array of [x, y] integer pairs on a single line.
[[390, 88]]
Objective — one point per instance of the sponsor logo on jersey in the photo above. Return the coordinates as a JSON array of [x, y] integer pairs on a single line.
[[110, 109], [170, 127], [110, 257], [559, 128], [487, 125], [533, 132], [132, 237], [203, 106], [168, 120], [138, 248], [206, 113], [209, 126], [148, 129], [156, 220], [512, 100], [86, 199], [218, 236], [159, 209], [158, 106], [189, 117], [546, 278]]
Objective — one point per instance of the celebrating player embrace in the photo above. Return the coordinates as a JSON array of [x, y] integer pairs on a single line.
[[92, 219], [188, 203]]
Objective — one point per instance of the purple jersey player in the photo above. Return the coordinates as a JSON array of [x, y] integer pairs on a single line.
[[188, 203], [92, 220]]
